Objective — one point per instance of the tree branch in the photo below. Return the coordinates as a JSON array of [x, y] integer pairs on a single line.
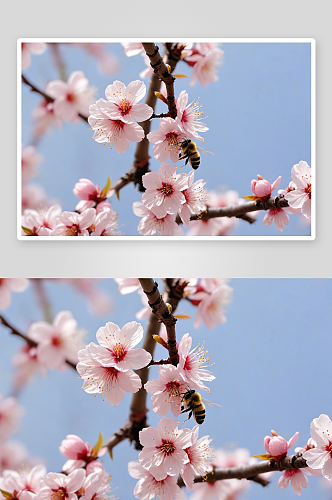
[[252, 471], [240, 211], [161, 70]]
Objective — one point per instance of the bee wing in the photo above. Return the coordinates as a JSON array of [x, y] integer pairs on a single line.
[[204, 152], [209, 403]]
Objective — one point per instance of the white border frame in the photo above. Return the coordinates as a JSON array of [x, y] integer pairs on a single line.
[[312, 41]]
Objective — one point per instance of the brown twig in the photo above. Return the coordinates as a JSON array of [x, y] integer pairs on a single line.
[[240, 211], [160, 309], [161, 70], [252, 471], [46, 96], [29, 341]]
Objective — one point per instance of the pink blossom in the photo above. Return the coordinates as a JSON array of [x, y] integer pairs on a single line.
[[26, 364], [91, 194], [105, 223], [13, 455], [30, 160], [163, 193], [278, 215], [132, 48], [96, 486], [150, 224], [189, 117], [44, 118], [61, 486], [163, 448], [277, 446], [73, 224], [79, 453], [205, 65], [195, 196], [10, 413], [71, 98], [123, 101], [58, 342], [211, 308], [116, 132], [320, 457], [301, 196], [297, 476], [191, 363], [24, 485], [198, 453], [41, 222], [262, 188], [74, 447], [8, 285], [128, 285], [116, 346], [148, 487], [167, 390], [31, 48], [105, 379], [166, 140]]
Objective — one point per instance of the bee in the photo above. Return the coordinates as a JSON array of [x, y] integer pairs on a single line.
[[190, 152], [193, 402]]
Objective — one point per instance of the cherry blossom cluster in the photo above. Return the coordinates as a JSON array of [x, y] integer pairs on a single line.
[[298, 195], [106, 367], [52, 221], [316, 452], [36, 484], [57, 344], [210, 295], [168, 452], [204, 58], [168, 194]]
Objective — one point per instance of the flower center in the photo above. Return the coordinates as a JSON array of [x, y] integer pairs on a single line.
[[70, 97], [172, 138], [167, 448], [125, 106], [172, 388], [119, 352], [60, 494], [166, 190], [308, 190], [56, 341], [73, 230]]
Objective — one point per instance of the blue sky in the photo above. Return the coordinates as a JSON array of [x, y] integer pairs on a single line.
[[271, 365], [258, 114]]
